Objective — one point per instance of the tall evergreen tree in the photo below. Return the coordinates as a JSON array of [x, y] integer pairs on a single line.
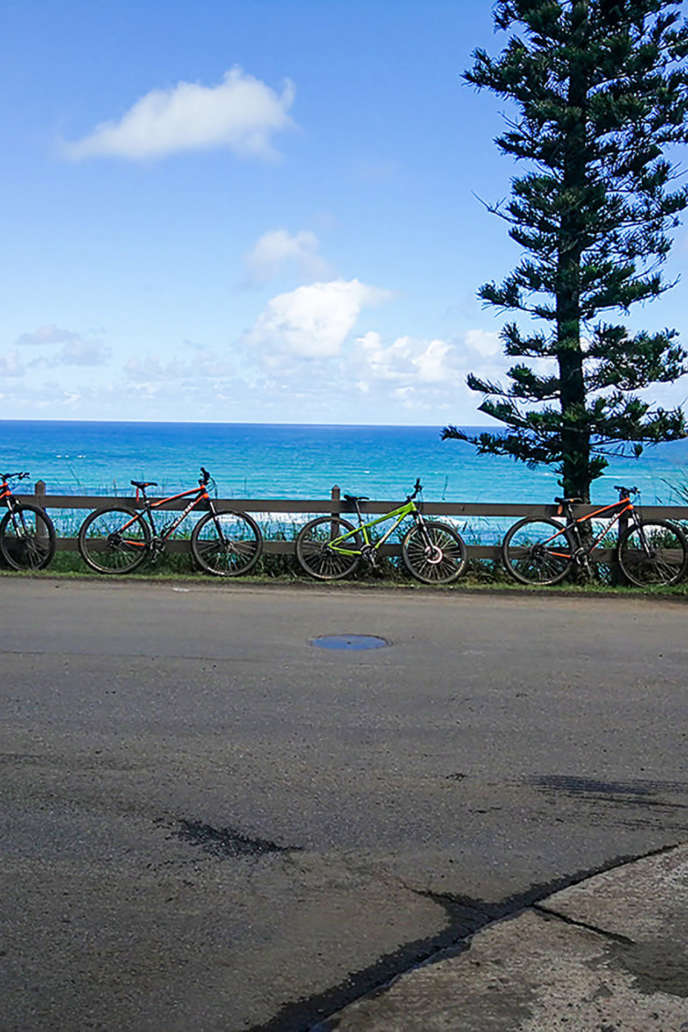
[[600, 88]]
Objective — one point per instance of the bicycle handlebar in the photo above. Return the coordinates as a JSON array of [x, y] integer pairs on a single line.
[[204, 477], [416, 488], [625, 491], [14, 476]]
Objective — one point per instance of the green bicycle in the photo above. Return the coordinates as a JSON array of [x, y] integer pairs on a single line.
[[330, 547]]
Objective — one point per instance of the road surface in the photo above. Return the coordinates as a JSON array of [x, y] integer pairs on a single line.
[[208, 822]]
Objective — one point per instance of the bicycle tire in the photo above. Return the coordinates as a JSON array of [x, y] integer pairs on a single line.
[[101, 545], [34, 547], [538, 566], [238, 551], [312, 552], [434, 553], [668, 558]]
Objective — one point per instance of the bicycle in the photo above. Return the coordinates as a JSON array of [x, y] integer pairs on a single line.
[[27, 534], [330, 547], [117, 539], [541, 551]]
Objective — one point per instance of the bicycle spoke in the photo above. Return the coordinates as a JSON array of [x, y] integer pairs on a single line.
[[535, 552], [316, 556], [28, 538], [654, 554], [114, 540], [227, 543], [434, 553]]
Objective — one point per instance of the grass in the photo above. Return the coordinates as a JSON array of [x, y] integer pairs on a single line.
[[480, 575]]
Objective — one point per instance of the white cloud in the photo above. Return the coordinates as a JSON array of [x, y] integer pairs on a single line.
[[390, 362], [278, 249], [432, 363], [75, 350], [241, 113], [203, 364], [10, 365], [407, 358], [83, 353], [484, 342], [50, 334], [313, 321]]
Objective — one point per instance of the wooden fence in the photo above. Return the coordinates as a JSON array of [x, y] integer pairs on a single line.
[[336, 505]]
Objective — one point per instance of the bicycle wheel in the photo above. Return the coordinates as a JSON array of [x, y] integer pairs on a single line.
[[27, 537], [653, 553], [226, 543], [537, 551], [314, 553], [114, 540], [434, 553]]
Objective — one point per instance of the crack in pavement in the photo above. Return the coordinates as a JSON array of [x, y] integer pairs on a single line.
[[614, 936], [466, 917]]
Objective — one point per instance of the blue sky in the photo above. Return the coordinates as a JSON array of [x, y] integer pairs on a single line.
[[258, 211]]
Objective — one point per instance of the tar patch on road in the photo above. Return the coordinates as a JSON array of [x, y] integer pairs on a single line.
[[581, 786], [638, 792], [227, 842], [655, 968]]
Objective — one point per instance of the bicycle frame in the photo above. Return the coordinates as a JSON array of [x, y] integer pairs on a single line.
[[200, 495], [8, 498], [399, 515], [623, 505]]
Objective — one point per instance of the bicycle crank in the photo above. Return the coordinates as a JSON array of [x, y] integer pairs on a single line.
[[369, 554]]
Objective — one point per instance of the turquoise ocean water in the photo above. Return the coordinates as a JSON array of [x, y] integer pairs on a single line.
[[287, 461]]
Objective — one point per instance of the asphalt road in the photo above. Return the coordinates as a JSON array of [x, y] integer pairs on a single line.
[[208, 823]]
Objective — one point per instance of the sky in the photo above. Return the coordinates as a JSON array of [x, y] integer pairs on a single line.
[[265, 211]]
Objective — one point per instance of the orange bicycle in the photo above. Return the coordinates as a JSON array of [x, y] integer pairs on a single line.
[[117, 539], [541, 551]]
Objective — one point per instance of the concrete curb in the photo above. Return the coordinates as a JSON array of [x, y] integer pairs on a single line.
[[608, 954]]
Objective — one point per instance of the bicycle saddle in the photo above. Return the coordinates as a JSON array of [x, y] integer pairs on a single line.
[[355, 498], [144, 483], [569, 501]]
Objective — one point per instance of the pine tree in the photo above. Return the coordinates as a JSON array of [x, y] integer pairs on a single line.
[[600, 90]]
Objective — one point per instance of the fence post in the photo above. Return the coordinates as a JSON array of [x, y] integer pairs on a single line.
[[39, 495], [335, 496]]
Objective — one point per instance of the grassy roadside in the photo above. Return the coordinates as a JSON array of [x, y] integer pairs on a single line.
[[480, 577]]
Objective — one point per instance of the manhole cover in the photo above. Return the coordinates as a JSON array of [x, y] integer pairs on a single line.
[[349, 642]]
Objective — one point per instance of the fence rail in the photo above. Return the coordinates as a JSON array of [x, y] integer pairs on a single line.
[[335, 505]]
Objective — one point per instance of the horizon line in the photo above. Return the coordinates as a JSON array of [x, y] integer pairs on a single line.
[[220, 422]]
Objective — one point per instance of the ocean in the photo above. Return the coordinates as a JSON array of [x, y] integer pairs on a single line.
[[262, 460]]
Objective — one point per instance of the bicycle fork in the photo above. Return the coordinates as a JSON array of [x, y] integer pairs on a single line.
[[433, 554], [19, 522]]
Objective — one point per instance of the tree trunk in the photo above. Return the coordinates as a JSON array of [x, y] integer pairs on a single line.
[[575, 434]]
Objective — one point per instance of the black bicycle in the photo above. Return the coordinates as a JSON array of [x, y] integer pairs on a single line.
[[540, 550], [27, 534], [117, 539]]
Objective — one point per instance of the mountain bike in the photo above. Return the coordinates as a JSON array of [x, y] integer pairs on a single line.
[[330, 547], [27, 534], [541, 551], [117, 539]]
